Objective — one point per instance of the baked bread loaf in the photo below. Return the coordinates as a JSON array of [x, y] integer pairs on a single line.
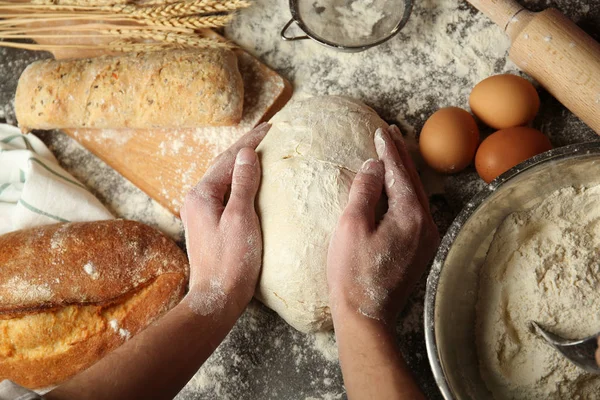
[[71, 293], [163, 89]]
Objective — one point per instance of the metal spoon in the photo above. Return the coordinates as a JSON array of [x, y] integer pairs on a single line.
[[582, 352]]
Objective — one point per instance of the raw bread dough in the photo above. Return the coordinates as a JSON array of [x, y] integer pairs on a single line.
[[309, 159]]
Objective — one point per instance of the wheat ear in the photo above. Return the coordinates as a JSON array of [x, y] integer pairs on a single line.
[[213, 21], [168, 24]]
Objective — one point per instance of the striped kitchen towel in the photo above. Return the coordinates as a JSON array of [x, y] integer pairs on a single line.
[[35, 190]]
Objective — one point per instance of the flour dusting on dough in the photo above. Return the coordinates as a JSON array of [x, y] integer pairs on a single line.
[[309, 159]]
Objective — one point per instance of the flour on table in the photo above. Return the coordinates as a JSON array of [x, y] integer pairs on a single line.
[[327, 396], [247, 365], [542, 266], [326, 345], [119, 195], [444, 50]]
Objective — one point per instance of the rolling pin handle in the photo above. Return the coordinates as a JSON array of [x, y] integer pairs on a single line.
[[290, 38], [502, 12]]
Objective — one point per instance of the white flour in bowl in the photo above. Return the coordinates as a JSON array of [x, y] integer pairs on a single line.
[[542, 266]]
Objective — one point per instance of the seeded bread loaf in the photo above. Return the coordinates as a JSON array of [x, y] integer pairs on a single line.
[[71, 293], [165, 89]]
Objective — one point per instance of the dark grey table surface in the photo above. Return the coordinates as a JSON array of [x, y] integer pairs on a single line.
[[446, 48]]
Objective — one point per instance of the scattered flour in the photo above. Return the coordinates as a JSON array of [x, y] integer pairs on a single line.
[[541, 266], [443, 51], [114, 324], [209, 300], [248, 363], [119, 195], [22, 290], [124, 333], [325, 344], [91, 270], [327, 396], [412, 319]]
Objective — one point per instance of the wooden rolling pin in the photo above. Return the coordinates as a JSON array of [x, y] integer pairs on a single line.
[[553, 50]]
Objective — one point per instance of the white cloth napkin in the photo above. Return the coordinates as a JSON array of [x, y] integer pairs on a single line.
[[35, 190]]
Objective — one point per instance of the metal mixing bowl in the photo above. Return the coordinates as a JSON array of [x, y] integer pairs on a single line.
[[452, 285]]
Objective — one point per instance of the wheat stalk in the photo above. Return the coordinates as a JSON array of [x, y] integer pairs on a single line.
[[213, 21], [79, 2], [189, 40], [156, 36], [185, 8], [124, 45], [185, 23], [159, 2], [103, 28], [153, 25], [177, 9], [50, 47]]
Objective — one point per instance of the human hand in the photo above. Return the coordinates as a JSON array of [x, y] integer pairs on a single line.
[[598, 353], [223, 235], [373, 265]]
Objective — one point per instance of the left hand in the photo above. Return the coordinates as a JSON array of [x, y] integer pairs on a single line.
[[223, 236]]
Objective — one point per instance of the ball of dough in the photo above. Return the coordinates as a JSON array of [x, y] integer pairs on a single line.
[[309, 159]]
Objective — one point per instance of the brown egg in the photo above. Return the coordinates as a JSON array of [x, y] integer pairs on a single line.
[[449, 140], [504, 101], [506, 148]]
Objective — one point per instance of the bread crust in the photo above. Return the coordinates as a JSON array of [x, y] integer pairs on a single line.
[[70, 316], [165, 89], [81, 263]]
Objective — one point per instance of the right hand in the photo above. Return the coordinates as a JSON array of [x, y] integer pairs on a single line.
[[372, 265]]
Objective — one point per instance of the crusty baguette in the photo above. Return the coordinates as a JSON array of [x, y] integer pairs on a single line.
[[71, 293], [166, 89]]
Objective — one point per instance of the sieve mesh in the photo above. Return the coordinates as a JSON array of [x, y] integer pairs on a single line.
[[351, 23]]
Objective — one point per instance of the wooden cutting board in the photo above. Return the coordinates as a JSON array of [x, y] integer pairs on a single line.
[[166, 164]]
